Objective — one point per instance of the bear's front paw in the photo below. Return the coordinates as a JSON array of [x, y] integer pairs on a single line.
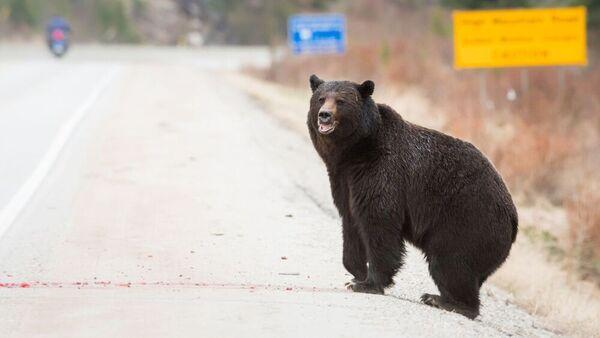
[[353, 281], [364, 287]]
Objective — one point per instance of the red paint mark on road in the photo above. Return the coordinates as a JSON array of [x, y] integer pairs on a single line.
[[15, 285], [166, 284], [102, 283]]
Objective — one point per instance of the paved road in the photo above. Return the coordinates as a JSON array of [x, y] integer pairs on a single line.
[[38, 98], [176, 207]]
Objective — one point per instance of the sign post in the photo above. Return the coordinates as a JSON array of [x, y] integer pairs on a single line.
[[519, 38], [317, 33]]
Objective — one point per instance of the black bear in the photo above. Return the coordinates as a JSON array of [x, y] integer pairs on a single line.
[[393, 181]]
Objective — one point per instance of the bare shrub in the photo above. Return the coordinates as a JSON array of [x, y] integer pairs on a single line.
[[584, 218]]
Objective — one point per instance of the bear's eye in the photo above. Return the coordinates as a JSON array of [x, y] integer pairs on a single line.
[[339, 101], [321, 100]]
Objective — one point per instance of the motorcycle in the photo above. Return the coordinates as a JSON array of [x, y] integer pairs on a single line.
[[58, 42]]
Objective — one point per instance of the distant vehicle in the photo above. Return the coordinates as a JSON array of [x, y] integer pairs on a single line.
[[58, 32]]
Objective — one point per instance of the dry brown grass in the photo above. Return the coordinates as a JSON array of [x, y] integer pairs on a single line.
[[565, 303], [583, 210]]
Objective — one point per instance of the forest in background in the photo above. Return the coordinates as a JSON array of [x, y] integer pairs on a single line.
[[168, 22], [172, 22]]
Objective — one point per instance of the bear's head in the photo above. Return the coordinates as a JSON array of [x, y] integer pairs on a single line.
[[340, 110]]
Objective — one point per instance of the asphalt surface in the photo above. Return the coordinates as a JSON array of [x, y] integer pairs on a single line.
[[144, 194]]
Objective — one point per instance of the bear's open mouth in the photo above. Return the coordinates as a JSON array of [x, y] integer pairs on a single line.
[[327, 128]]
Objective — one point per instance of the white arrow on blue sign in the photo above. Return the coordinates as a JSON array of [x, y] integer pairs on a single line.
[[317, 33]]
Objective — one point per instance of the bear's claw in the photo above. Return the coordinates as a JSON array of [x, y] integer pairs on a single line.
[[353, 281], [431, 300], [363, 287]]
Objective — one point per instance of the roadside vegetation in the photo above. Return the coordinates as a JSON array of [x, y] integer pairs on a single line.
[[101, 20]]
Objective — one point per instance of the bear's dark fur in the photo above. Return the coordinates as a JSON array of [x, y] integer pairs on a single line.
[[393, 181]]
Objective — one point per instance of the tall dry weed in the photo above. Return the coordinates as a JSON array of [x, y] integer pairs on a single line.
[[584, 216]]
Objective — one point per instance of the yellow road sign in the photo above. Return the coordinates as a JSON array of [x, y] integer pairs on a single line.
[[520, 37]]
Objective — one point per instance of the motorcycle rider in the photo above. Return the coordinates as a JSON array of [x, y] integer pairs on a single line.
[[57, 29]]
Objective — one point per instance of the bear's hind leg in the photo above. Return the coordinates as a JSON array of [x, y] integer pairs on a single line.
[[459, 288]]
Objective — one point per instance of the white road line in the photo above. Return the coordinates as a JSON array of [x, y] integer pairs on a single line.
[[18, 202]]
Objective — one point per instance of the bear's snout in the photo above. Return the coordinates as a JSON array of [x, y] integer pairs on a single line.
[[326, 122], [325, 117]]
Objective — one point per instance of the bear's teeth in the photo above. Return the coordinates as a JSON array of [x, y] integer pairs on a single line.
[[327, 128]]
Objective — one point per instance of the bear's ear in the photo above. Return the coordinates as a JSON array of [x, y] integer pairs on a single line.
[[366, 88], [315, 82]]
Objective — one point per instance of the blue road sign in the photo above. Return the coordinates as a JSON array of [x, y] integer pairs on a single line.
[[317, 33]]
